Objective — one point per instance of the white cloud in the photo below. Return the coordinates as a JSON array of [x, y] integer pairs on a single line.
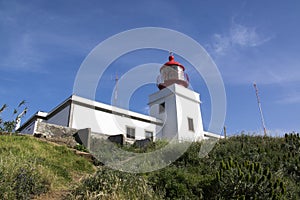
[[246, 36], [30, 42], [242, 63], [220, 43], [21, 55], [238, 35], [32, 50], [290, 99]]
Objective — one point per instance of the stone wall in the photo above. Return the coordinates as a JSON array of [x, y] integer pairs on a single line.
[[52, 130], [64, 135]]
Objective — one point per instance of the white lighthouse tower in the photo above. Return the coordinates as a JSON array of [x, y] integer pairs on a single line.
[[176, 104]]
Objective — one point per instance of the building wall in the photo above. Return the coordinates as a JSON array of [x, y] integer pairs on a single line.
[[180, 104], [107, 123], [187, 108], [30, 128], [166, 96], [60, 118]]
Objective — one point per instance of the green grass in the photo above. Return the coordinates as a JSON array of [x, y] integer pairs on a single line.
[[240, 167], [29, 163]]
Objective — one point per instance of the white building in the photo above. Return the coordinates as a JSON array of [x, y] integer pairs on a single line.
[[174, 113]]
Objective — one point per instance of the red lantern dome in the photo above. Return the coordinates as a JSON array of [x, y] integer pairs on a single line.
[[172, 72]]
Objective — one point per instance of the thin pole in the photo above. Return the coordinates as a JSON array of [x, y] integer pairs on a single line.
[[260, 110], [116, 90]]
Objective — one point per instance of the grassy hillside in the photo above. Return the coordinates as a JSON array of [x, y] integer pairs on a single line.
[[29, 167], [240, 167]]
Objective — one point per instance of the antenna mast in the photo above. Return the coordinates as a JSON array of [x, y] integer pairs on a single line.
[[260, 110], [116, 89]]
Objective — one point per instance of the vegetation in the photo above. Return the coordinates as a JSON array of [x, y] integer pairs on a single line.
[[30, 167], [110, 185], [9, 125], [240, 167]]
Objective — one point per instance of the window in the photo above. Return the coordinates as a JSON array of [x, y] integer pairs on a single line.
[[191, 124], [162, 107], [149, 134], [130, 132]]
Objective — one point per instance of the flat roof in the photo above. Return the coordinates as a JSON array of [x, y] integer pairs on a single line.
[[93, 105]]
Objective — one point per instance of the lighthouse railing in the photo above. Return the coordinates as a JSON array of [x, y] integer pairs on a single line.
[[171, 77]]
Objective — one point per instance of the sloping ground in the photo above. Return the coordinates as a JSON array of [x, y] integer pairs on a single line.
[[30, 167], [241, 167]]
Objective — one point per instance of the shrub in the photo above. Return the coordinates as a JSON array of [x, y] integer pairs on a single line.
[[110, 184], [10, 125], [81, 147], [22, 183], [245, 181], [28, 182]]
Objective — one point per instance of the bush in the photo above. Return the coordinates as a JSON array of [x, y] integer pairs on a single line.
[[245, 181], [10, 125], [110, 184], [22, 183], [81, 147], [28, 182], [179, 183]]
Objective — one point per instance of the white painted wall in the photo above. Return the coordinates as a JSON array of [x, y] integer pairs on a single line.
[[108, 123], [31, 127], [166, 96], [188, 108], [180, 103]]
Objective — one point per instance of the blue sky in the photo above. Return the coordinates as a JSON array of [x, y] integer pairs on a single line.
[[43, 43]]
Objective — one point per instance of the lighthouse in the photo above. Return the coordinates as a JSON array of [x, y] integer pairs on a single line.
[[176, 105], [174, 114], [172, 72]]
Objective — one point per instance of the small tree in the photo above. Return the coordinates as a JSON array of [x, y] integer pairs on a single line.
[[13, 124]]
